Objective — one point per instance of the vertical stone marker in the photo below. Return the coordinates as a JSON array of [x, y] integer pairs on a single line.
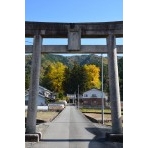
[[74, 38], [34, 85], [114, 85]]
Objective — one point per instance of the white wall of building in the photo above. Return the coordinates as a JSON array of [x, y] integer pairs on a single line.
[[40, 100], [93, 93]]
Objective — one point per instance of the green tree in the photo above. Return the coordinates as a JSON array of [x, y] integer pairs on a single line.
[[105, 78], [120, 69], [74, 77], [27, 70], [78, 78], [67, 82]]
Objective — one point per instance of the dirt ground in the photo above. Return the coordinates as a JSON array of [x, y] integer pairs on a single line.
[[45, 115], [98, 117]]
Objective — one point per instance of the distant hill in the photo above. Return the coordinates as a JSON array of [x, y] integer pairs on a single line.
[[70, 60]]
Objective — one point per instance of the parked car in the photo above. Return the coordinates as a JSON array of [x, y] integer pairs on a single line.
[[63, 102], [56, 107]]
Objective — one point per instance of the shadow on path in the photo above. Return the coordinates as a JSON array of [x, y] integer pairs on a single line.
[[100, 141]]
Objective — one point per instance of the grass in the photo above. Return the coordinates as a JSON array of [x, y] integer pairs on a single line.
[[45, 115], [93, 110]]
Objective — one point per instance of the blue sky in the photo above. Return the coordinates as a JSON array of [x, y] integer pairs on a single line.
[[74, 11]]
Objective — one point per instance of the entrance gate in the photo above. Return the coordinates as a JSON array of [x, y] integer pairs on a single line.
[[74, 32]]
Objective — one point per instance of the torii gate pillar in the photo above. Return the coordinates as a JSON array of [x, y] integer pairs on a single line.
[[114, 85], [34, 85]]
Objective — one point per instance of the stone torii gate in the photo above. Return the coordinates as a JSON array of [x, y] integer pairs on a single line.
[[74, 32]]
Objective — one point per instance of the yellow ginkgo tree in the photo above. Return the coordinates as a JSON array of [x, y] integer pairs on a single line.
[[93, 76], [55, 76]]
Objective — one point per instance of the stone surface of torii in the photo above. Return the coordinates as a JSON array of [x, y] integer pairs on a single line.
[[74, 32], [60, 30], [84, 49]]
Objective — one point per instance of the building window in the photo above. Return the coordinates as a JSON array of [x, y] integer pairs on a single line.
[[26, 102], [85, 95], [94, 95]]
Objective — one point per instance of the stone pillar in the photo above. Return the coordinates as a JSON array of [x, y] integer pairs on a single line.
[[114, 85], [34, 85], [74, 38]]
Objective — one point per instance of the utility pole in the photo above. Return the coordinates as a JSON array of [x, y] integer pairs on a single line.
[[102, 93], [75, 99], [78, 96]]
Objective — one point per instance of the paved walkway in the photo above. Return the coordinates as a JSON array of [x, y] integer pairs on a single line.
[[71, 129]]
